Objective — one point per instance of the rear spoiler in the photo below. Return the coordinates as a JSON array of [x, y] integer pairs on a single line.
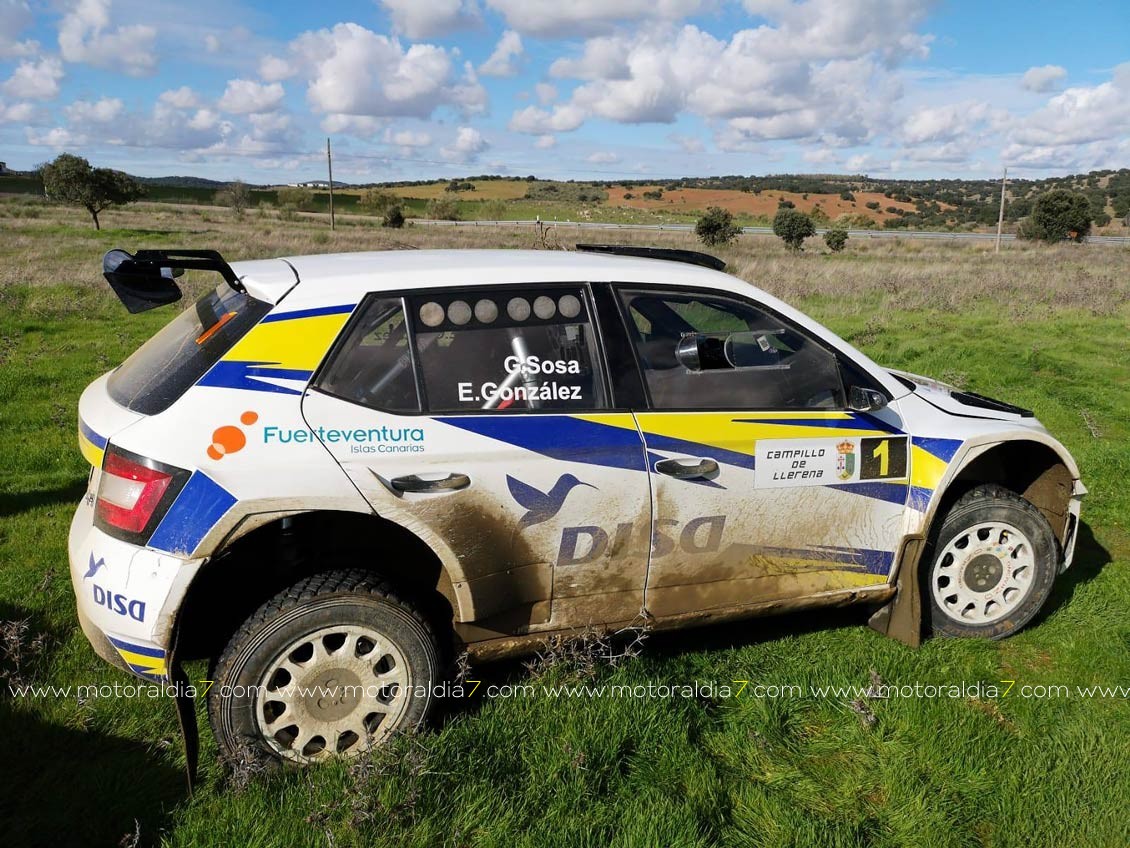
[[147, 279]]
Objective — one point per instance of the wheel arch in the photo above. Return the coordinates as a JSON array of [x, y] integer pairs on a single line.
[[265, 553]]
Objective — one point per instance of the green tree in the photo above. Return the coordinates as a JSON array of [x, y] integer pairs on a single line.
[[836, 238], [716, 227], [793, 228], [1058, 215], [71, 179], [235, 195]]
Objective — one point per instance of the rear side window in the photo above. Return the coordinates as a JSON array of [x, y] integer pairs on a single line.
[[164, 368], [471, 351], [373, 364]]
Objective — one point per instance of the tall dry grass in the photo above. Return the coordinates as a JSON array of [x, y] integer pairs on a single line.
[[42, 244]]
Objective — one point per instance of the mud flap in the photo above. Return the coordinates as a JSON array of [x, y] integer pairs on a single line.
[[186, 717], [901, 617]]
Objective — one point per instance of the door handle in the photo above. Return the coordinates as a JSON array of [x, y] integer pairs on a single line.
[[415, 483], [682, 469]]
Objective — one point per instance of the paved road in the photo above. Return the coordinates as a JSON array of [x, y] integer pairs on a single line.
[[756, 231]]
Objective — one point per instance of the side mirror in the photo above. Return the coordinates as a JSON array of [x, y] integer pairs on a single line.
[[139, 286], [865, 400], [700, 352]]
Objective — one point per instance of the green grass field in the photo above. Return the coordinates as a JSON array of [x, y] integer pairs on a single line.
[[1046, 328]]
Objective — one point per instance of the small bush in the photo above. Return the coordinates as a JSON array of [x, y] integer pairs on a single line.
[[377, 202], [847, 195], [873, 204], [296, 198], [657, 194], [785, 204], [393, 217], [716, 227], [836, 238], [793, 228], [442, 210]]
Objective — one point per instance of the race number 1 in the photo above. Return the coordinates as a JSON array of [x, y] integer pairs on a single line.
[[883, 458]]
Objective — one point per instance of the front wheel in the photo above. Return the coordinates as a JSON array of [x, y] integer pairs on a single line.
[[329, 667], [993, 565]]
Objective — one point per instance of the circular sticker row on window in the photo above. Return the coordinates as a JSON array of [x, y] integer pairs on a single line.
[[459, 312]]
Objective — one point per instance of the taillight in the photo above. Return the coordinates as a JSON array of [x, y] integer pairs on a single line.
[[133, 493]]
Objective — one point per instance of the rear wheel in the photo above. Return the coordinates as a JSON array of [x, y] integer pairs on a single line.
[[329, 667], [992, 565]]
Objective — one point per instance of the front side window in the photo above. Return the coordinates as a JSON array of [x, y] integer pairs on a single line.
[[747, 358]]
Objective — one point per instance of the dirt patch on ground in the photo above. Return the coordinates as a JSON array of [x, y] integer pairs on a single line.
[[766, 203]]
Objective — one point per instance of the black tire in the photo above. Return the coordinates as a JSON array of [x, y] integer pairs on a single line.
[[982, 505], [324, 602]]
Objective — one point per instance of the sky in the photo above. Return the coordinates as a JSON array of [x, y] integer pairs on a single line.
[[568, 89]]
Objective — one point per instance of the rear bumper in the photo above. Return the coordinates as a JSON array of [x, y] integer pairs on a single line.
[[127, 596]]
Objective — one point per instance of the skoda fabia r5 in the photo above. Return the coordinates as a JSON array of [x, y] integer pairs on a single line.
[[333, 473]]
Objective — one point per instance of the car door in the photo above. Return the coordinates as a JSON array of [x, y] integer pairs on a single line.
[[482, 420], [765, 486]]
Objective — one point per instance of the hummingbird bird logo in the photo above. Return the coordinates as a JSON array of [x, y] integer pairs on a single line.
[[542, 506], [92, 567]]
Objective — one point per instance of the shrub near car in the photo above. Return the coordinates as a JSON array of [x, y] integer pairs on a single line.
[[333, 472]]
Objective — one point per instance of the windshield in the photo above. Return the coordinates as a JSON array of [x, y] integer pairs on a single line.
[[163, 368]]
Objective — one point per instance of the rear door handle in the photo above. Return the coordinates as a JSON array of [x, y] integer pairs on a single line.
[[687, 469], [416, 483]]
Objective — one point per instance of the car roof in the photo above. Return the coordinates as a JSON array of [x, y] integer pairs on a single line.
[[344, 276]]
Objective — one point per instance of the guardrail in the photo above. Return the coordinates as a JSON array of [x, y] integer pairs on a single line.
[[754, 231]]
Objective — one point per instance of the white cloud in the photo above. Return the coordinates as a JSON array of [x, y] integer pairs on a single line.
[[212, 43], [103, 111], [57, 137], [545, 142], [354, 71], [944, 123], [180, 98], [85, 37], [602, 157], [1043, 78], [34, 80], [545, 92], [428, 18], [19, 113], [358, 126], [542, 122], [687, 143], [556, 18], [243, 97], [819, 69], [466, 147], [407, 139], [503, 61], [15, 17], [274, 69], [1080, 115]]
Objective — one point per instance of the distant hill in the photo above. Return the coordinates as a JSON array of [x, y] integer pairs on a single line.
[[183, 182]]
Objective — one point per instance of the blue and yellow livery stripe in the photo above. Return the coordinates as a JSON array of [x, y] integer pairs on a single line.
[[929, 459], [283, 346], [91, 444], [144, 661]]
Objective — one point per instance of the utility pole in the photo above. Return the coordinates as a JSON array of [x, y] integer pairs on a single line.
[[330, 166], [1000, 217]]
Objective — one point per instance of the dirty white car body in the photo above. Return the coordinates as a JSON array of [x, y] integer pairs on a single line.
[[563, 467]]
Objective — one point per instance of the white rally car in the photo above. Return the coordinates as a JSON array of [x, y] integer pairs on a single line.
[[334, 471]]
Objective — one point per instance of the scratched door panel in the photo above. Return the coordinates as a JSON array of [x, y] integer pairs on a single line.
[[792, 511]]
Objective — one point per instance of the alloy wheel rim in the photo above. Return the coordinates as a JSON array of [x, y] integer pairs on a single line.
[[984, 573], [336, 691]]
